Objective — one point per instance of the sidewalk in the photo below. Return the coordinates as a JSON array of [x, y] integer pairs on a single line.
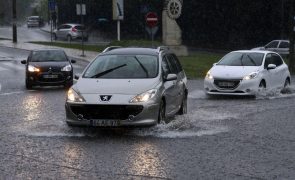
[[73, 53]]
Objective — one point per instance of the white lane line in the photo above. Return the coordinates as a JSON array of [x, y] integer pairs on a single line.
[[11, 93], [14, 65]]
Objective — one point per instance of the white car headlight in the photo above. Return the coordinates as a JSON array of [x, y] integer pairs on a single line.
[[251, 76], [73, 96], [144, 97], [67, 68], [33, 69], [208, 75]]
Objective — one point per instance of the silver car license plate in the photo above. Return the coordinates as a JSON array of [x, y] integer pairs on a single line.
[[105, 123], [226, 84]]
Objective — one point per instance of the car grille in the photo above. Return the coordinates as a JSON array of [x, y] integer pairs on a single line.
[[120, 112], [227, 84]]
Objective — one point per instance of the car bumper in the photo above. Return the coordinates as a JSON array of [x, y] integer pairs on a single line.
[[245, 87], [60, 78], [125, 115]]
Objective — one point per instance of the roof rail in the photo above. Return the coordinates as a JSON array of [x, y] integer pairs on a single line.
[[162, 48], [110, 48]]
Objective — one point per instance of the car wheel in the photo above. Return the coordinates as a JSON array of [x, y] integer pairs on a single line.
[[69, 38], [287, 83], [28, 85], [262, 85], [183, 108], [161, 116]]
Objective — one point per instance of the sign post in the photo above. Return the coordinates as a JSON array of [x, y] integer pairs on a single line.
[[118, 14], [151, 19], [51, 7], [81, 10]]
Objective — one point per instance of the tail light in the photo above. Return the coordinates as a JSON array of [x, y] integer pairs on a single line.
[[74, 29]]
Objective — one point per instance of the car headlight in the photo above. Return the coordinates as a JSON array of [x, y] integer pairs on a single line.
[[33, 69], [144, 97], [208, 75], [251, 76], [73, 96], [67, 68]]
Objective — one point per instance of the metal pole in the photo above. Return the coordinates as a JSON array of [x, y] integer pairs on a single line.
[[119, 29], [14, 28], [82, 22], [292, 38]]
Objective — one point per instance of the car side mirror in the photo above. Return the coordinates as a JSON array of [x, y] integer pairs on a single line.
[[171, 77], [24, 61], [77, 76], [73, 61], [271, 66]]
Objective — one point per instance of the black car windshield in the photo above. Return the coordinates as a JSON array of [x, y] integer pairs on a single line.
[[51, 55], [123, 67], [242, 59]]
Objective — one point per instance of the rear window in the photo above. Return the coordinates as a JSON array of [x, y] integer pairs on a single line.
[[43, 56]]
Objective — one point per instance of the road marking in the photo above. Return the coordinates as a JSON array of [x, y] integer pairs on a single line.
[[11, 93], [14, 65]]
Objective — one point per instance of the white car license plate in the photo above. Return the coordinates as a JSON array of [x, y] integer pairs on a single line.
[[50, 76], [226, 84], [105, 123]]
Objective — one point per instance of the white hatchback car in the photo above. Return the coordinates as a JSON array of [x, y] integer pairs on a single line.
[[246, 73]]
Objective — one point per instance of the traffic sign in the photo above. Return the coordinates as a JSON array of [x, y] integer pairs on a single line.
[[51, 5], [151, 19]]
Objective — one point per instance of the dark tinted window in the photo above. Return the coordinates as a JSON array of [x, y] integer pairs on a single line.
[[284, 44], [273, 44], [268, 60], [172, 64], [165, 67], [242, 59], [276, 60], [43, 56], [81, 28]]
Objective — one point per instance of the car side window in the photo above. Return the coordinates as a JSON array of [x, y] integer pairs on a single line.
[[268, 61], [276, 60], [165, 67], [172, 64], [273, 44], [179, 67], [284, 44]]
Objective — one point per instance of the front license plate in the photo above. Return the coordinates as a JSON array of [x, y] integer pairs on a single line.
[[226, 84], [105, 123], [50, 76]]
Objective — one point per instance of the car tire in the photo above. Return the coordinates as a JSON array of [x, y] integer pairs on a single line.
[[287, 83], [262, 85], [162, 111], [69, 38], [28, 85], [183, 108]]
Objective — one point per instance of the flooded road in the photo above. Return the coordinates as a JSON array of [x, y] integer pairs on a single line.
[[219, 138]]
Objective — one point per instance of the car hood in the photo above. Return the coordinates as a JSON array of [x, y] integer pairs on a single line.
[[115, 86], [49, 64], [232, 72]]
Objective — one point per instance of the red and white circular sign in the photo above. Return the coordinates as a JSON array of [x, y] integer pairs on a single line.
[[151, 19]]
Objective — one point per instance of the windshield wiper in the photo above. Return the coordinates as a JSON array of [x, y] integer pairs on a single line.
[[107, 71], [142, 66]]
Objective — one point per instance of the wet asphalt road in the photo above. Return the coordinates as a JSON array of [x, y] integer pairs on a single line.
[[220, 138]]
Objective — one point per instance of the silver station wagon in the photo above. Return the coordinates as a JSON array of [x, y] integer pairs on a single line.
[[128, 87]]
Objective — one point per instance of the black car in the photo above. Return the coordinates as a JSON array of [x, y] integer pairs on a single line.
[[48, 67]]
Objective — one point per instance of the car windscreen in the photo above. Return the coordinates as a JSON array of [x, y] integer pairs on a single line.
[[242, 59], [43, 56], [123, 67], [33, 19]]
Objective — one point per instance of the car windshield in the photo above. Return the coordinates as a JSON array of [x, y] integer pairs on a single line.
[[242, 59], [33, 19], [40, 56], [123, 67]]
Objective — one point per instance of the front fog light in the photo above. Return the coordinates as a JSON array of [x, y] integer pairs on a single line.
[[73, 96], [144, 97]]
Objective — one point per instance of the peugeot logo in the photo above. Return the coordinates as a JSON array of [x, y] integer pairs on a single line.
[[105, 98]]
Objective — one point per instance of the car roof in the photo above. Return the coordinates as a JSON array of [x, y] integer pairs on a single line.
[[73, 24], [132, 51], [35, 50], [254, 51]]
